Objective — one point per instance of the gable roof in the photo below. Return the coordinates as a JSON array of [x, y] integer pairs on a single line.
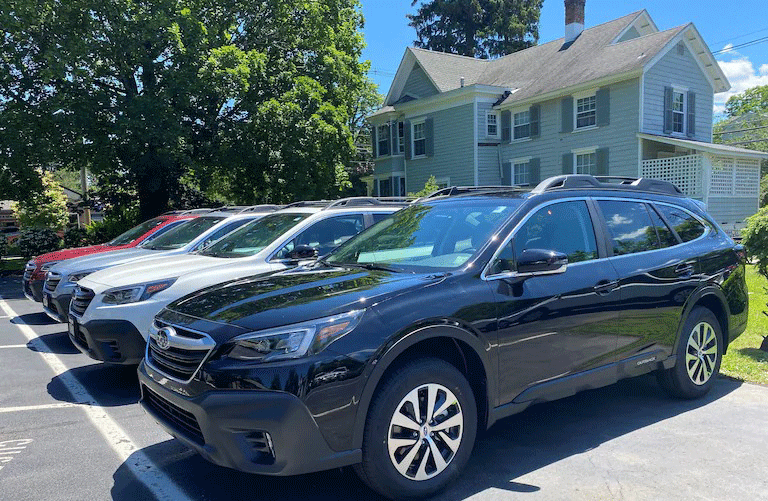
[[552, 67]]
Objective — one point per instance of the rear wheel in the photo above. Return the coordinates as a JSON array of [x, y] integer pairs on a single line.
[[420, 430], [699, 353]]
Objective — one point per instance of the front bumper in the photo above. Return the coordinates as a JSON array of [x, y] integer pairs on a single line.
[[33, 289], [112, 341], [57, 306], [256, 431]]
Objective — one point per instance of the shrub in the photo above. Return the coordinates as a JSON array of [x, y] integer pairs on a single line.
[[3, 246], [756, 239], [114, 224], [47, 209], [429, 187], [75, 237], [35, 241]]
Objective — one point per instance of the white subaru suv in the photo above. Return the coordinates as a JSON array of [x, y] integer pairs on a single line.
[[61, 279], [112, 309]]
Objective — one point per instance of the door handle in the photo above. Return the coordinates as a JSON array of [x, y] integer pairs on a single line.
[[684, 270], [604, 287]]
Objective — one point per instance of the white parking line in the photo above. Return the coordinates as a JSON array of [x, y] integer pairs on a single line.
[[143, 468], [13, 346], [60, 405]]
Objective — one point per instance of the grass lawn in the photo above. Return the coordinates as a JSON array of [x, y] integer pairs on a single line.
[[744, 360]]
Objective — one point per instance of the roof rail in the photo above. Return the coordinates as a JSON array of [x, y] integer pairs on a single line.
[[463, 190], [354, 202], [187, 211], [262, 208], [581, 181]]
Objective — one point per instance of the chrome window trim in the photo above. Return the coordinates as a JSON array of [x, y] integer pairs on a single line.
[[485, 275]]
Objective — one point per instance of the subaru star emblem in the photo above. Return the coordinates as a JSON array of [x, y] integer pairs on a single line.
[[162, 337]]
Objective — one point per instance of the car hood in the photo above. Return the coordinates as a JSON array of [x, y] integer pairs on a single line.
[[102, 260], [71, 253], [291, 296]]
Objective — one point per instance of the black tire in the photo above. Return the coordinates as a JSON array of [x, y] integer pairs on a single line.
[[419, 377], [695, 371]]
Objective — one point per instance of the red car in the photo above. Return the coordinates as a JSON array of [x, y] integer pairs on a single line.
[[36, 268]]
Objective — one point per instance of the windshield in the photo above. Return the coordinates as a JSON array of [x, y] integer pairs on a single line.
[[253, 237], [135, 232], [182, 234], [427, 237]]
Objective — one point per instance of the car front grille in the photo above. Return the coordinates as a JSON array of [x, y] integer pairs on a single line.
[[29, 269], [51, 281], [175, 416], [81, 298], [184, 356]]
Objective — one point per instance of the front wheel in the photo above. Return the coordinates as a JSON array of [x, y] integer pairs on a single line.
[[699, 353], [420, 430]]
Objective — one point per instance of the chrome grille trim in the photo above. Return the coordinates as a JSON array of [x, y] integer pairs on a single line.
[[81, 298], [52, 280], [187, 352]]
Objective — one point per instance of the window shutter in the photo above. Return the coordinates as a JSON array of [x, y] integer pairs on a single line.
[[374, 148], [506, 125], [393, 137], [506, 174], [534, 171], [667, 110], [567, 163], [566, 106], [601, 158], [691, 129], [603, 104], [407, 127], [429, 132], [535, 117]]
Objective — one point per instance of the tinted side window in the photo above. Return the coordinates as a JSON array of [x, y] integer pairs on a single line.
[[564, 227], [687, 227], [227, 228], [667, 238], [378, 216], [629, 227], [327, 234]]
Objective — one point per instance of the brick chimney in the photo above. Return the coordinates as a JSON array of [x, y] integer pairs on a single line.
[[574, 19]]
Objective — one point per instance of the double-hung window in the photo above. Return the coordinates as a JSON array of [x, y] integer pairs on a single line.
[[419, 140], [585, 163], [678, 112], [522, 125], [400, 137], [521, 173], [586, 111], [492, 124], [382, 140]]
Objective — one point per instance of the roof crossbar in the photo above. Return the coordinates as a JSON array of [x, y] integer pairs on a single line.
[[582, 181]]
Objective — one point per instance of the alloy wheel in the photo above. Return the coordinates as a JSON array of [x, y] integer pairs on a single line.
[[701, 353], [425, 432]]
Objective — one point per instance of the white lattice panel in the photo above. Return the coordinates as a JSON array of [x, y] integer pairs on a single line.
[[721, 180], [747, 177], [684, 172]]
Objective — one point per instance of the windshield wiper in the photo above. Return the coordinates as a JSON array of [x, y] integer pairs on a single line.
[[370, 266]]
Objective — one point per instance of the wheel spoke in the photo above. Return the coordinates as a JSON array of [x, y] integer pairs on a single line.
[[413, 398], [404, 421], [692, 342], [456, 420], [431, 399], [711, 351], [438, 457], [406, 462], [421, 473], [451, 443], [396, 443]]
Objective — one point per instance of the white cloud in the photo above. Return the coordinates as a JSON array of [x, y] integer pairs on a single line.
[[742, 74]]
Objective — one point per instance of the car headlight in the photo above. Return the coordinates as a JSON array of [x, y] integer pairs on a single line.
[[74, 277], [294, 341], [49, 265], [136, 293]]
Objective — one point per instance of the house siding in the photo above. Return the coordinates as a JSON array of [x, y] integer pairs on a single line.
[[728, 211], [483, 107], [488, 169], [683, 71], [453, 149], [619, 136], [418, 84], [389, 164]]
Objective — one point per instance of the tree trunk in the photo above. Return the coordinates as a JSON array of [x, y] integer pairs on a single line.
[[152, 185]]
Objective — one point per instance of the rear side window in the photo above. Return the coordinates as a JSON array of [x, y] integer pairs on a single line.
[[326, 235], [629, 227], [687, 227], [666, 236], [564, 227]]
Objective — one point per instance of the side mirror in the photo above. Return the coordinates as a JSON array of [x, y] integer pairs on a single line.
[[302, 252], [541, 261]]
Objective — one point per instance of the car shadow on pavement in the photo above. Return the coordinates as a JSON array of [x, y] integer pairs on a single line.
[[533, 439], [58, 343], [34, 319], [109, 385]]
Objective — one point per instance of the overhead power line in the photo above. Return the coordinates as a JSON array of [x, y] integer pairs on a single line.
[[741, 36], [741, 130], [742, 45]]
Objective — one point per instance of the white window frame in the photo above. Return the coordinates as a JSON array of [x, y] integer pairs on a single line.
[[682, 91], [400, 139], [526, 161], [514, 124], [421, 122], [584, 95], [495, 115], [378, 153], [592, 150]]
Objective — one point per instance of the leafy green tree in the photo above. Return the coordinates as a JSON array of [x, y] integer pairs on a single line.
[[45, 209], [476, 28], [429, 187], [252, 98], [755, 239], [753, 100]]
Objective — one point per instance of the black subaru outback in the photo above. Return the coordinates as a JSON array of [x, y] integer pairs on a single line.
[[391, 353]]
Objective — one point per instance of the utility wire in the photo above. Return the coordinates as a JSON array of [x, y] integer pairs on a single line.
[[740, 36], [741, 45], [741, 130]]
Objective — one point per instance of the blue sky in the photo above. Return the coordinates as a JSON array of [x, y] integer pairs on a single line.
[[721, 23]]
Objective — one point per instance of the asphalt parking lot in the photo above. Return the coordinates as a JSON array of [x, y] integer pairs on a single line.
[[71, 428]]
